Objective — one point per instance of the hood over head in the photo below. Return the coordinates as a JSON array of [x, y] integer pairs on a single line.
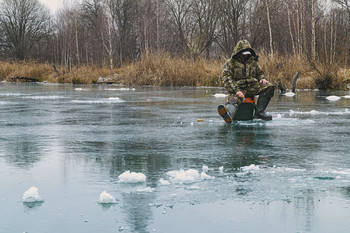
[[243, 46]]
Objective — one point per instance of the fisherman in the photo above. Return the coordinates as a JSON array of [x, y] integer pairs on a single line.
[[243, 77]]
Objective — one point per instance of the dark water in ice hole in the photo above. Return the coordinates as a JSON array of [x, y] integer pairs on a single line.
[[288, 175]]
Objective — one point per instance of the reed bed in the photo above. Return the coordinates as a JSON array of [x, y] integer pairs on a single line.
[[165, 70]]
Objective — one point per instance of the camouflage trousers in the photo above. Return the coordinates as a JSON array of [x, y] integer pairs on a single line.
[[267, 90]]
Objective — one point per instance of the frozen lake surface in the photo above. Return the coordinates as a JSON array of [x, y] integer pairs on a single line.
[[80, 159]]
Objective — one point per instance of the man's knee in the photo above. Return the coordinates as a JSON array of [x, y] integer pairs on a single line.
[[269, 91]]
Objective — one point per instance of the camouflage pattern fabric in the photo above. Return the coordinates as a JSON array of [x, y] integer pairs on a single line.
[[244, 74]]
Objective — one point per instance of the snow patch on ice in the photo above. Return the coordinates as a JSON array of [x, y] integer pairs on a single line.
[[289, 94], [251, 167], [50, 97], [32, 195], [219, 95], [333, 98], [182, 176], [132, 177], [114, 98], [164, 182], [120, 89], [188, 177], [80, 89], [205, 168], [109, 100], [106, 198], [205, 176], [10, 94]]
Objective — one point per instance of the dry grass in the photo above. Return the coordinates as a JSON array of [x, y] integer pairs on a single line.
[[24, 69], [46, 72], [165, 70], [284, 68]]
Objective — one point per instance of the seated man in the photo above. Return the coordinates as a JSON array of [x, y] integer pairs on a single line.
[[243, 77]]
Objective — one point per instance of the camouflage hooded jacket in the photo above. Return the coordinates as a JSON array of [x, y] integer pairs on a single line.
[[241, 75]]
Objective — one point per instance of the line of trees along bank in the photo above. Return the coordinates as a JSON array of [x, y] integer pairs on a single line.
[[108, 33]]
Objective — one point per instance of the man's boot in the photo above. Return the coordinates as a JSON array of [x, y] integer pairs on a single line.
[[262, 104], [227, 112]]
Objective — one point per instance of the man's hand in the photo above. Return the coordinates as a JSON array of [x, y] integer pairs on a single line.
[[240, 94], [263, 81]]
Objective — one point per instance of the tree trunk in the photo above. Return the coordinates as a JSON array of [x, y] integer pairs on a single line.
[[110, 42], [291, 32], [313, 30], [269, 25], [77, 41]]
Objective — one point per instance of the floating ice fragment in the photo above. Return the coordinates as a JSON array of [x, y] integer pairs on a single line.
[[164, 182], [205, 176], [114, 98], [32, 195], [251, 167], [205, 168], [219, 95], [289, 94], [106, 198], [131, 177], [314, 112], [80, 89], [182, 176], [333, 98], [346, 96], [221, 169]]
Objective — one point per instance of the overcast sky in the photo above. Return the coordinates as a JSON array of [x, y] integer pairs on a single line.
[[55, 4], [52, 4]]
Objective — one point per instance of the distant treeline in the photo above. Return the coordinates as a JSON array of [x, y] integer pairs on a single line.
[[111, 33]]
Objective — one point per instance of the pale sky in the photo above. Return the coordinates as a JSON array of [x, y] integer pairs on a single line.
[[52, 4]]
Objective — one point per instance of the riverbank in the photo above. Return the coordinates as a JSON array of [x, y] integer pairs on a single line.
[[164, 70]]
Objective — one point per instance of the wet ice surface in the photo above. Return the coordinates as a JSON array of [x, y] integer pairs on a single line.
[[115, 159]]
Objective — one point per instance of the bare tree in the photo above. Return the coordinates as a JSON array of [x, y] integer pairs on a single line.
[[269, 25], [24, 24], [313, 29], [232, 23], [180, 17], [124, 14], [345, 4]]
